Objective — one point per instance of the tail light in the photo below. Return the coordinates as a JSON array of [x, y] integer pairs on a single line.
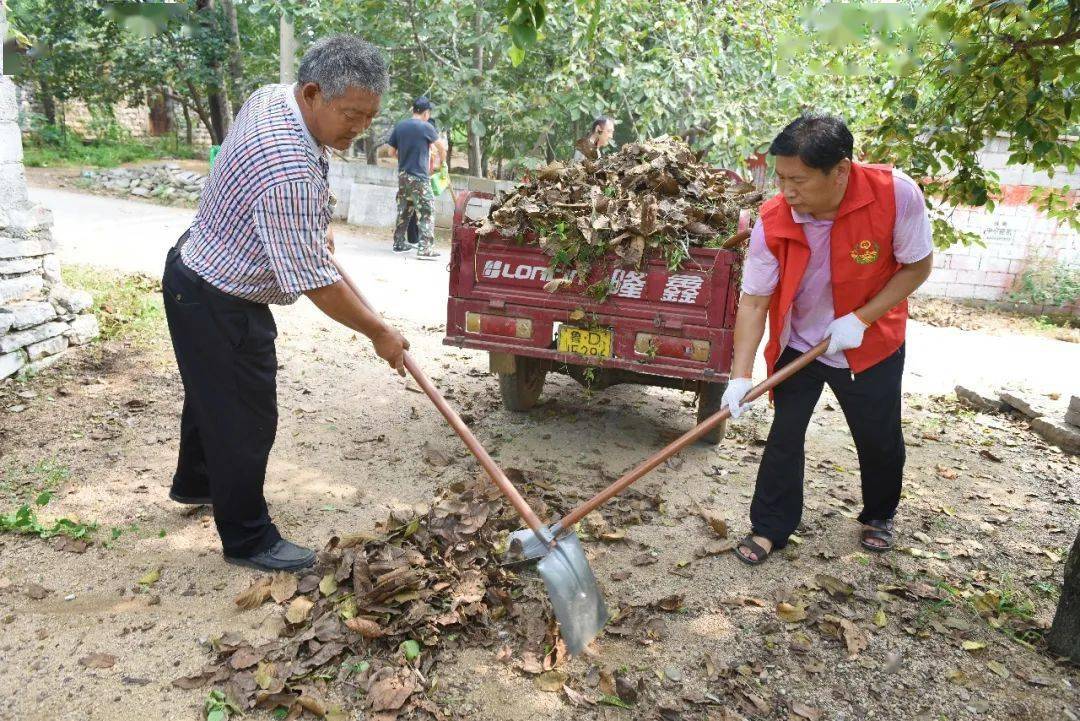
[[666, 346], [498, 325]]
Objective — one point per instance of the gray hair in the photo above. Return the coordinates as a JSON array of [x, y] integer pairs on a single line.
[[339, 62]]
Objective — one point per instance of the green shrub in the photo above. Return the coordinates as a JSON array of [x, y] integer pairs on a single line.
[[1047, 282], [50, 146]]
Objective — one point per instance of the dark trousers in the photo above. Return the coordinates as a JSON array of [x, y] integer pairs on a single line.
[[225, 352], [871, 405], [412, 233]]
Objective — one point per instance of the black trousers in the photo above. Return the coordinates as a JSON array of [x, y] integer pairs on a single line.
[[871, 404], [225, 351]]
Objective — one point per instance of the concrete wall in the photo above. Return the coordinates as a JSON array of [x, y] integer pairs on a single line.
[[367, 194]]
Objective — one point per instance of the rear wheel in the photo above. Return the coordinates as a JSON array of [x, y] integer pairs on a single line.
[[709, 396], [521, 389]]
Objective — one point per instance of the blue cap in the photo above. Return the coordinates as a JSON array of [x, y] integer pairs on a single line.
[[421, 104]]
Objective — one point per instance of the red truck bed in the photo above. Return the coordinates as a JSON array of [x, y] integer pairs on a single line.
[[656, 327]]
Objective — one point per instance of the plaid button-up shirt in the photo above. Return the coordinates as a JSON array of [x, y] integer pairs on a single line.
[[260, 231]]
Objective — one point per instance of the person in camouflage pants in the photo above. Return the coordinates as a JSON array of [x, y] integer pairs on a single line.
[[414, 194]]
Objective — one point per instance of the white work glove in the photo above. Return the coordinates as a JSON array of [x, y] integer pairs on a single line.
[[736, 389], [845, 333]]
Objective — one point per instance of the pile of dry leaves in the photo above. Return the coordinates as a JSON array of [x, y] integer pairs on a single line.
[[370, 624], [649, 196], [376, 612]]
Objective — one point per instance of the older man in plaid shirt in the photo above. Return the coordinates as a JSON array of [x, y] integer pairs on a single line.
[[260, 237]]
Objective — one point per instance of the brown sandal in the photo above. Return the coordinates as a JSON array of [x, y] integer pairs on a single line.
[[754, 548], [881, 531]]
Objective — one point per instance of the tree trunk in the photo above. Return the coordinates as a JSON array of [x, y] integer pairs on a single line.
[[286, 50], [220, 116], [236, 69], [204, 115], [217, 96], [161, 113], [1064, 636], [483, 161], [188, 130], [371, 145], [475, 155], [48, 103]]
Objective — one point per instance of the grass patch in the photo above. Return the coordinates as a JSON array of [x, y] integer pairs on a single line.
[[45, 476], [128, 306], [51, 148], [25, 521]]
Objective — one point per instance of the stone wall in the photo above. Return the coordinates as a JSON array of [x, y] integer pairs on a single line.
[[133, 119], [40, 318], [166, 181]]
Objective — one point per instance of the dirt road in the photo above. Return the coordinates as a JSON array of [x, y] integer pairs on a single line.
[[938, 629]]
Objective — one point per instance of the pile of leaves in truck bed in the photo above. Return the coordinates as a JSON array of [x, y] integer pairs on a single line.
[[374, 615], [651, 196]]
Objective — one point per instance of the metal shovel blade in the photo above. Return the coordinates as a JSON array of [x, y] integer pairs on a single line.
[[571, 586], [526, 546]]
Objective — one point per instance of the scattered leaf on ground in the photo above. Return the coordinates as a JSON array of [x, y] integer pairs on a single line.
[[98, 660]]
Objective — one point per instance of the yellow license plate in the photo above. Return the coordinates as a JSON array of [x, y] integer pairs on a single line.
[[586, 342]]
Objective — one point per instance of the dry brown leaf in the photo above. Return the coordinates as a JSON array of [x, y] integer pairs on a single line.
[[312, 704], [255, 595], [328, 584], [576, 697], [308, 583], [192, 682], [530, 663], [391, 693], [833, 585], [855, 638], [551, 681], [607, 683], [718, 525], [98, 660], [365, 627], [298, 610], [715, 548], [789, 613], [283, 586], [244, 657], [36, 591], [804, 711]]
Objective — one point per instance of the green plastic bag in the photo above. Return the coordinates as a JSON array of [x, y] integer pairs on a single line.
[[214, 149], [440, 180]]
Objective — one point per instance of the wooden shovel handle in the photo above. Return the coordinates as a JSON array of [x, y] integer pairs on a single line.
[[689, 437], [460, 428]]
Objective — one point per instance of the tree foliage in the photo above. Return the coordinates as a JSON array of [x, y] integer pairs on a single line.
[[923, 85], [965, 72]]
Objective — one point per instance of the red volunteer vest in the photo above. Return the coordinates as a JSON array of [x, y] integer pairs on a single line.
[[861, 261]]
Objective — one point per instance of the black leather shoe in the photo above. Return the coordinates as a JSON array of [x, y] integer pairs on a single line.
[[282, 556], [191, 500]]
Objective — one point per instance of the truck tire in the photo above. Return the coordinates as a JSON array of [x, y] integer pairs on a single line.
[[709, 395], [521, 389]]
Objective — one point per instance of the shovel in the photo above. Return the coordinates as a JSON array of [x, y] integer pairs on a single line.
[[526, 545], [571, 585]]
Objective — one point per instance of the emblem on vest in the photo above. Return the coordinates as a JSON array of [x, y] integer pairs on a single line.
[[865, 252]]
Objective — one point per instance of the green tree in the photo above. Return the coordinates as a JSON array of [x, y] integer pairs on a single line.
[[64, 40], [964, 72]]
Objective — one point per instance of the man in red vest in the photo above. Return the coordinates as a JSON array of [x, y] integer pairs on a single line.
[[834, 255]]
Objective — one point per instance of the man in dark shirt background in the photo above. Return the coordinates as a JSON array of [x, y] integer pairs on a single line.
[[410, 143]]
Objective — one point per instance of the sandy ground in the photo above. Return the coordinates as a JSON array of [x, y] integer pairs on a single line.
[[988, 509], [349, 450]]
